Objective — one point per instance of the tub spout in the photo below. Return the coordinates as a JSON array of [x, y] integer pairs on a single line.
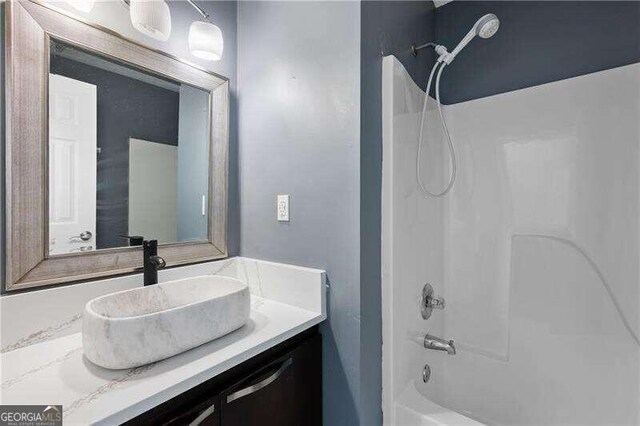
[[438, 344]]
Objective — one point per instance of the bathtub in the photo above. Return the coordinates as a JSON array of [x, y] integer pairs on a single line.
[[413, 409]]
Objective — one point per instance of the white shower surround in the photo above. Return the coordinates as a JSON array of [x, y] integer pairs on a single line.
[[535, 251]]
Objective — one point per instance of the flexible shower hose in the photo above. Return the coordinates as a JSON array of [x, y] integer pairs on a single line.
[[452, 151]]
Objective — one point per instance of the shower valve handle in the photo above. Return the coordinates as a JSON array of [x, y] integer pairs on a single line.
[[430, 302], [436, 302]]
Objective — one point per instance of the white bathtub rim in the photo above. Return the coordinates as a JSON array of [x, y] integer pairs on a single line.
[[427, 412]]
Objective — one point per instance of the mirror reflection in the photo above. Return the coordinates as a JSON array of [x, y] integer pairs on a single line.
[[128, 155]]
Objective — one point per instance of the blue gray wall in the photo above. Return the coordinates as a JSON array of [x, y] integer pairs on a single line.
[[299, 129], [387, 28], [538, 42]]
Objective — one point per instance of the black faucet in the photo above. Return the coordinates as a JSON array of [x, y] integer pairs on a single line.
[[152, 262]]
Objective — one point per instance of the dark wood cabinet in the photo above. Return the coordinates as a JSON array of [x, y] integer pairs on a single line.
[[282, 386]]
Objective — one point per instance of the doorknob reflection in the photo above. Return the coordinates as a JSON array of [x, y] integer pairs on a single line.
[[84, 236]]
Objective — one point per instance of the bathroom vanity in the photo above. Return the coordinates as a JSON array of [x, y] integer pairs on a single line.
[[272, 363], [282, 386]]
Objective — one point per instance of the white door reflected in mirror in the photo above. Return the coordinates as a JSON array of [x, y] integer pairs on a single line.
[[72, 165]]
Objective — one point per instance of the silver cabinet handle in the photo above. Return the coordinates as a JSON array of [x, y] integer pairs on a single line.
[[266, 382], [206, 413]]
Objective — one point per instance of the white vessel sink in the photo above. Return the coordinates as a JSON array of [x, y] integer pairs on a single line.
[[135, 327]]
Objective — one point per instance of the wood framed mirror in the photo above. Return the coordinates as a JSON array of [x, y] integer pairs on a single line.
[[69, 211]]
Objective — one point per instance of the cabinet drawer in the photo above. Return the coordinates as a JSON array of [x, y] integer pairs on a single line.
[[282, 386], [286, 392]]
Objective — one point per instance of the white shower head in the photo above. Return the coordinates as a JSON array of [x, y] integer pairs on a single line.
[[487, 26], [484, 27]]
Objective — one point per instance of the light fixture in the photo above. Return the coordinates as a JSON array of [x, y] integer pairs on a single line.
[[82, 5], [151, 17], [205, 41]]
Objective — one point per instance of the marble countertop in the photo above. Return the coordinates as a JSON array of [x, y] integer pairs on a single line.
[[56, 371], [42, 360]]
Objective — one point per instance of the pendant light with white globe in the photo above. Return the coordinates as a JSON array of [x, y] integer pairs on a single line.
[[205, 41], [151, 17], [205, 38]]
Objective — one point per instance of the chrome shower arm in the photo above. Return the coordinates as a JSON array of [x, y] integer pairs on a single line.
[[415, 49]]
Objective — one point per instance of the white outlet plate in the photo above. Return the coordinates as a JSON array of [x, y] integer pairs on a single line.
[[283, 208]]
